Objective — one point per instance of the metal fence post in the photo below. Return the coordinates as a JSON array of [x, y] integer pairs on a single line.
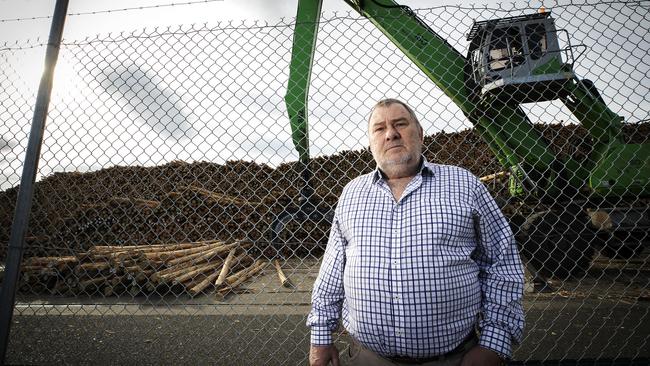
[[25, 194]]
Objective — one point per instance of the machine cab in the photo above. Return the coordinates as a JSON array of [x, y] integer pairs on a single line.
[[518, 58]]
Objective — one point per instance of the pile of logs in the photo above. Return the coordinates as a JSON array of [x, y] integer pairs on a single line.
[[186, 214], [193, 268], [184, 202]]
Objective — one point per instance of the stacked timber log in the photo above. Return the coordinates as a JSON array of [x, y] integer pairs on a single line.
[[190, 268], [186, 214], [205, 213], [186, 202]]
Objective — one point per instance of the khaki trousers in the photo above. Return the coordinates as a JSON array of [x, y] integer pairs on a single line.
[[361, 356]]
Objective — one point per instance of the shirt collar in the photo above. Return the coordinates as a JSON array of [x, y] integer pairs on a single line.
[[423, 169]]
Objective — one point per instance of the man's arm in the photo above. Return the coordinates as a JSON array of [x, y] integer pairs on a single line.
[[501, 277], [327, 296]]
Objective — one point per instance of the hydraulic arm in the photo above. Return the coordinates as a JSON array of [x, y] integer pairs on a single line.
[[302, 58], [512, 62], [504, 126]]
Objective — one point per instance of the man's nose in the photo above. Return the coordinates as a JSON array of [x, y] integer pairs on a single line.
[[391, 133]]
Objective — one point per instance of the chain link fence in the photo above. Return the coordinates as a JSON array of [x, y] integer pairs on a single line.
[[168, 158]]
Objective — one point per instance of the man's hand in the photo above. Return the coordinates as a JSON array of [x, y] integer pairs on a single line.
[[479, 356], [322, 355]]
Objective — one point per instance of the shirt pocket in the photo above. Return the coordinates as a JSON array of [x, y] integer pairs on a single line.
[[445, 223]]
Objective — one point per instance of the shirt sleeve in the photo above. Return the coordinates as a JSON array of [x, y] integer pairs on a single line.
[[327, 295], [501, 277]]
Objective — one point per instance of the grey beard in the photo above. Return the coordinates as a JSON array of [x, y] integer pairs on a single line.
[[400, 166], [402, 160]]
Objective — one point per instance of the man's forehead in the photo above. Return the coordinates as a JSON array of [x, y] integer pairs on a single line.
[[392, 112]]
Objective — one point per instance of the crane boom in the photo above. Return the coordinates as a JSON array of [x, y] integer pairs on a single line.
[[506, 128], [510, 61]]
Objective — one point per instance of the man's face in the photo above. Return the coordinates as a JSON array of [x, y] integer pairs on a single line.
[[395, 139]]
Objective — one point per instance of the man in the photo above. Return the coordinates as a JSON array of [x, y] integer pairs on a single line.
[[419, 259]]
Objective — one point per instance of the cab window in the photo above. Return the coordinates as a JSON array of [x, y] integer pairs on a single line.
[[505, 48], [536, 34]]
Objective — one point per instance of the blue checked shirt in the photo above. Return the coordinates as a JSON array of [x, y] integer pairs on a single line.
[[414, 277]]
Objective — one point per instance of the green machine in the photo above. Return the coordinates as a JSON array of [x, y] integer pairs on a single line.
[[581, 204]]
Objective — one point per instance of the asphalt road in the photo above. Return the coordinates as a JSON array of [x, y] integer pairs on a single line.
[[604, 316], [556, 330]]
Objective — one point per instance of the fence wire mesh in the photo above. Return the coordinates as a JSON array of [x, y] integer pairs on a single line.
[[168, 158]]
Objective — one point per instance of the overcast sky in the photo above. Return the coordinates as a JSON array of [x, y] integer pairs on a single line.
[[217, 94], [163, 16]]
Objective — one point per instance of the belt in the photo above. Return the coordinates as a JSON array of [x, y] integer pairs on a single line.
[[464, 346]]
